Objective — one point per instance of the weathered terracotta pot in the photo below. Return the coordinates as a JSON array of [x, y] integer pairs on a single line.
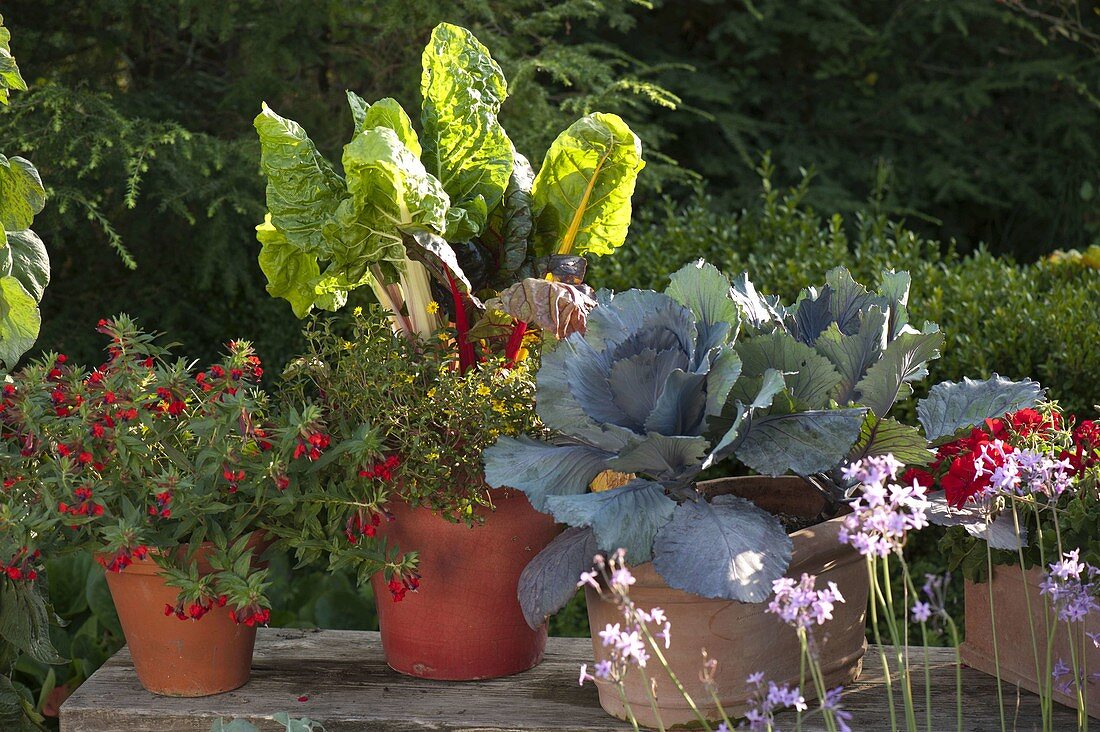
[[464, 622], [742, 637], [1015, 653], [175, 657]]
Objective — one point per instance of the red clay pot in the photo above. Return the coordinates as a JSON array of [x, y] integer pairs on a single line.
[[743, 637], [464, 622], [173, 657], [1015, 653]]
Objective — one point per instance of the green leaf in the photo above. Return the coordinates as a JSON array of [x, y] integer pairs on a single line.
[[68, 576], [888, 436], [549, 580], [30, 262], [508, 229], [390, 188], [853, 354], [465, 146], [291, 273], [303, 191], [10, 77], [704, 289], [25, 620], [19, 321], [809, 376], [904, 360], [21, 195], [626, 517], [581, 195], [101, 603], [384, 113], [11, 707], [802, 442], [953, 406]]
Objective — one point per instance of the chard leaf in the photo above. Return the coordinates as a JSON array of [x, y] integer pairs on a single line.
[[508, 229], [801, 442], [728, 548], [880, 436], [384, 113], [21, 195], [627, 517], [390, 190], [952, 406], [555, 307], [30, 264], [438, 257], [581, 195], [904, 360], [809, 376], [291, 273], [10, 78], [549, 581], [19, 321], [465, 146], [541, 470], [303, 191]]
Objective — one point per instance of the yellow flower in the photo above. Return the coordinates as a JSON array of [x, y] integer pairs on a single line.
[[431, 456], [432, 307], [483, 390], [357, 311], [348, 345], [431, 393]]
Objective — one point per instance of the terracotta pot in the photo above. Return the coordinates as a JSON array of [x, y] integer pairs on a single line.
[[175, 657], [1015, 652], [464, 622], [742, 637]]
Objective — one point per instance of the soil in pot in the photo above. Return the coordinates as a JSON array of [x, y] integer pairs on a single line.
[[1015, 655], [743, 637], [174, 657], [464, 622]]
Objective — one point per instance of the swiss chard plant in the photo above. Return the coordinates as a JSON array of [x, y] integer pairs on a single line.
[[662, 386], [454, 203]]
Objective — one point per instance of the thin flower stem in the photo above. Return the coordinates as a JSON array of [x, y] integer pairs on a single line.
[[901, 648], [675, 681], [873, 581], [953, 630], [993, 634], [801, 685], [819, 680], [721, 709], [626, 706], [652, 701], [1031, 624], [1050, 623]]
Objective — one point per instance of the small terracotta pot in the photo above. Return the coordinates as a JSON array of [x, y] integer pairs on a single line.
[[174, 657], [742, 637], [464, 622], [1016, 654]]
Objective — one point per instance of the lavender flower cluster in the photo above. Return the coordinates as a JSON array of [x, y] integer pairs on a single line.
[[800, 605], [1072, 586], [1022, 472], [883, 511]]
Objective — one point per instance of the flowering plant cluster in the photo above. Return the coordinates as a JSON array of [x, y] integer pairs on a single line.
[[407, 425], [144, 458]]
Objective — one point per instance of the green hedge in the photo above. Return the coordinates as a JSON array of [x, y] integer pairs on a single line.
[[1039, 320]]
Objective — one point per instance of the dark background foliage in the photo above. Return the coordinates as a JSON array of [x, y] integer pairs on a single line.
[[975, 123]]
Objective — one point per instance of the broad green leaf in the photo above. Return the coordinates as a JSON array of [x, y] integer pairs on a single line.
[[727, 548], [802, 442], [11, 706], [853, 354], [762, 313], [704, 289], [904, 360], [25, 620], [19, 321], [303, 191], [21, 195], [384, 113], [30, 262], [888, 436], [389, 189], [660, 457], [627, 517], [809, 376], [953, 406], [508, 229], [10, 77], [465, 146], [581, 195], [549, 581], [291, 273]]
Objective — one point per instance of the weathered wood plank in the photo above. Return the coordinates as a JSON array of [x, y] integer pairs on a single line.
[[349, 687]]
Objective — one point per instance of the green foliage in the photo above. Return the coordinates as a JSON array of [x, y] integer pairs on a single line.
[[1038, 320], [985, 115]]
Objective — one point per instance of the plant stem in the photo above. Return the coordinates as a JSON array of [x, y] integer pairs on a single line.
[[672, 677], [626, 706], [901, 648], [886, 674], [1044, 689], [953, 630], [993, 633]]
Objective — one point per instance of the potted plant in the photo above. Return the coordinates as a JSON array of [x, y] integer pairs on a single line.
[[474, 258], [1020, 496], [663, 386], [164, 474]]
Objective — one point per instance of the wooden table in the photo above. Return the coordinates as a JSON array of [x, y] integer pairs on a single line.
[[349, 687]]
